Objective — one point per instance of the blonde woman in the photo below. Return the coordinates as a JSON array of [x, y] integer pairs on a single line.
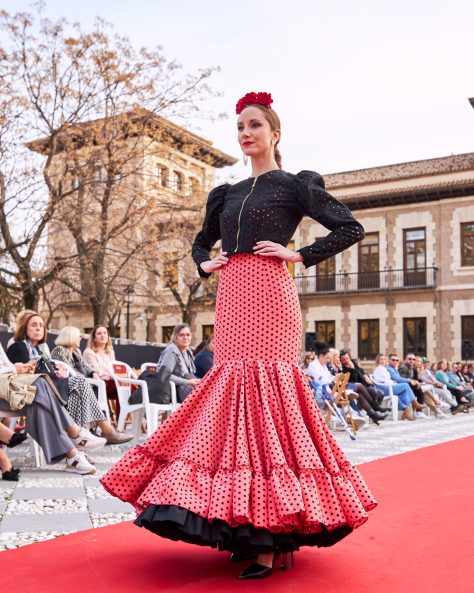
[[68, 350]]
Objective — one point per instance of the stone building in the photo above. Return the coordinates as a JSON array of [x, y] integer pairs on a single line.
[[153, 170], [408, 286]]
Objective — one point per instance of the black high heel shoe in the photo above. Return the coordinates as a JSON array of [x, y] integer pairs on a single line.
[[259, 571]]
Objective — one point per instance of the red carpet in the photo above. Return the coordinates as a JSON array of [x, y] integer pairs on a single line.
[[419, 539]]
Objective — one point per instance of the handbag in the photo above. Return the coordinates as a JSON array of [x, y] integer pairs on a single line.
[[159, 387], [45, 366]]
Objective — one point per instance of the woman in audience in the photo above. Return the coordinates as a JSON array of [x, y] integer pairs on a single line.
[[68, 351], [455, 390], [47, 421], [177, 362], [307, 360], [98, 356], [365, 400], [205, 357], [402, 390], [30, 344], [428, 376]]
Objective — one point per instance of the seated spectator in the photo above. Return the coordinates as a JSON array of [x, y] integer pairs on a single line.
[[47, 420], [456, 376], [334, 364], [392, 367], [412, 369], [205, 357], [470, 372], [30, 345], [382, 379], [427, 374], [319, 370], [365, 400], [464, 373], [307, 360], [68, 351], [176, 362], [98, 356], [456, 390]]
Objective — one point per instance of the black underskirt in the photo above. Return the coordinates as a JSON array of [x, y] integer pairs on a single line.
[[177, 523]]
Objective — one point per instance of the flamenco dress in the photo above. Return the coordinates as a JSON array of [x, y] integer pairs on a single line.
[[247, 463]]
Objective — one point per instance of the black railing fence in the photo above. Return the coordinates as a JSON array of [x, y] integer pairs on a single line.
[[385, 280]]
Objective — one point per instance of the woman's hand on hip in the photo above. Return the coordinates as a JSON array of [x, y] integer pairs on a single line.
[[271, 249], [193, 382], [216, 263]]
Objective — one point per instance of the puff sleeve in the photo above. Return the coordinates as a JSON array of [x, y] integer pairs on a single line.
[[210, 231], [319, 205]]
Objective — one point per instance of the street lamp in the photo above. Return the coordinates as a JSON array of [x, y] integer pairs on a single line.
[[128, 291]]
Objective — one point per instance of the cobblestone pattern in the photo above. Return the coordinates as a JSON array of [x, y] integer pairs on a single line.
[[35, 500]]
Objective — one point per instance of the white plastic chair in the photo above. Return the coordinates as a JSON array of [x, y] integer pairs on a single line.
[[391, 397], [148, 366], [124, 378]]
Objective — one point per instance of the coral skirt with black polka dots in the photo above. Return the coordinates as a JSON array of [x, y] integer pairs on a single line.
[[247, 463]]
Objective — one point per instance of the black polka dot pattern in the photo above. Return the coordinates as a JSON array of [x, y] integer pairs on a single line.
[[249, 445]]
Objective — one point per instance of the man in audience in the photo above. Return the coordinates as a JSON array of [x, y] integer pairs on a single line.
[[392, 368]]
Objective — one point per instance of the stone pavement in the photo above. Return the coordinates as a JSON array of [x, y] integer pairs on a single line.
[[48, 502]]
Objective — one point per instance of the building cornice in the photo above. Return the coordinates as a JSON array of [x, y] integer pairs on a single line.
[[139, 122]]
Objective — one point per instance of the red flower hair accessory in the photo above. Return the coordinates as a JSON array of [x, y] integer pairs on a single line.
[[252, 99]]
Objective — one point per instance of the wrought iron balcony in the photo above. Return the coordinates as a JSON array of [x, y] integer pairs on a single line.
[[379, 280]]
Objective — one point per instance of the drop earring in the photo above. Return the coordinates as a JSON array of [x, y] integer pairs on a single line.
[[246, 160]]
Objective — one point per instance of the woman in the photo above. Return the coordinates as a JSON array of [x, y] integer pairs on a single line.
[[249, 428], [204, 359], [307, 360], [456, 390], [30, 344], [68, 350], [98, 356], [401, 390], [176, 362], [366, 399], [47, 421]]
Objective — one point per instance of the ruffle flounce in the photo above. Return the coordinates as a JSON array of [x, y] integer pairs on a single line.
[[247, 453]]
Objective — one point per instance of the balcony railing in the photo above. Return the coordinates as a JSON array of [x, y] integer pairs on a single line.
[[379, 280]]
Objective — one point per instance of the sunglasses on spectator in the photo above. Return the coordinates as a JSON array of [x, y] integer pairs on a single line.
[[394, 359]]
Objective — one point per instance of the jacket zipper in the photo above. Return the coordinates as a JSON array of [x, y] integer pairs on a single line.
[[240, 213]]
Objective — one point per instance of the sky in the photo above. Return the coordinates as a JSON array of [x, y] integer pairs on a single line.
[[356, 83]]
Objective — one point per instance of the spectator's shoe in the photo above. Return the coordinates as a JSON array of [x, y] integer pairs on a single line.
[[79, 464], [440, 415], [117, 437], [420, 416], [375, 416], [12, 475], [457, 409], [383, 409], [86, 441], [16, 439]]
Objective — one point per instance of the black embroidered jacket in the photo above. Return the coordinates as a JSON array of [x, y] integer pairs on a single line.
[[269, 208]]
